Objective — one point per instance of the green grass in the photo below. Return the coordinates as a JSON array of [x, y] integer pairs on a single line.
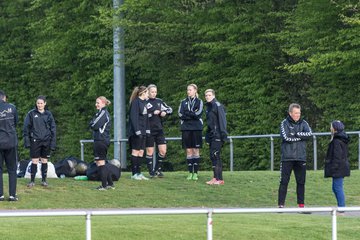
[[241, 189]]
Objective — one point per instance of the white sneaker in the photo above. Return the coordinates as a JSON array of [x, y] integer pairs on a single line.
[[135, 176], [142, 177]]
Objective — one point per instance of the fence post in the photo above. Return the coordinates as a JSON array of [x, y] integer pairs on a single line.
[[334, 227], [315, 152], [154, 157], [359, 153], [271, 153], [232, 154], [209, 225], [82, 150], [88, 226]]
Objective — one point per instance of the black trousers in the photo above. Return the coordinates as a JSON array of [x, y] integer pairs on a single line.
[[215, 150], [10, 158], [299, 168]]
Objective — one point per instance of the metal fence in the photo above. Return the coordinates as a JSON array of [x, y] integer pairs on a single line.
[[233, 138], [209, 212]]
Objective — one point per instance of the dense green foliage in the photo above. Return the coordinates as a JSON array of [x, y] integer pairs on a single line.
[[259, 56]]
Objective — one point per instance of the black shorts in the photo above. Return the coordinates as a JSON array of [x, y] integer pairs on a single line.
[[39, 149], [100, 150], [157, 137], [191, 139], [137, 142]]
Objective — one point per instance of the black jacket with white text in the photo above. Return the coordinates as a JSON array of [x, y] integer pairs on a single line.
[[8, 122], [39, 127], [155, 120]]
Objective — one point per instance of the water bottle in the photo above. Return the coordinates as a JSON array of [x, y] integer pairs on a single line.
[[84, 178]]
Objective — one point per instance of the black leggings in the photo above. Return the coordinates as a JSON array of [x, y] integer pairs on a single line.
[[215, 150]]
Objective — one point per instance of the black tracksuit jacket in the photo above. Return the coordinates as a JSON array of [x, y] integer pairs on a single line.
[[39, 126], [190, 111], [8, 122], [101, 125], [138, 118], [155, 121], [294, 136], [216, 122]]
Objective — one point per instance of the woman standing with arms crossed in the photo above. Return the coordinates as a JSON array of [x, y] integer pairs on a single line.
[[100, 124], [138, 130], [40, 136], [191, 125], [157, 110]]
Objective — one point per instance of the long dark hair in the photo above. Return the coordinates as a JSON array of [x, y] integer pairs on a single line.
[[137, 92]]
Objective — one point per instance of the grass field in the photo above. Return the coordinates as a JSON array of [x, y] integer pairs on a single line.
[[241, 189]]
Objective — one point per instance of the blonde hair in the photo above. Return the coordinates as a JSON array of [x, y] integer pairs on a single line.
[[104, 100], [210, 90], [195, 87], [137, 92]]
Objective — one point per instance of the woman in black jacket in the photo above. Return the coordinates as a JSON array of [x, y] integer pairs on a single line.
[[190, 111], [157, 110], [337, 160], [100, 124], [40, 136], [138, 130], [216, 134]]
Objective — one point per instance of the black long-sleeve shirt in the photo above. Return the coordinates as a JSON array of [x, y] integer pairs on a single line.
[[101, 125], [155, 120], [138, 118], [39, 126], [216, 121], [8, 122], [190, 111]]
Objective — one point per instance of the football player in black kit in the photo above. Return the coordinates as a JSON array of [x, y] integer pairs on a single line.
[[190, 111], [138, 130], [157, 110], [40, 136], [216, 134]]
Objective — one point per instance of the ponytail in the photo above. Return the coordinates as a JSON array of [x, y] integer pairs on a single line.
[[137, 92], [104, 100]]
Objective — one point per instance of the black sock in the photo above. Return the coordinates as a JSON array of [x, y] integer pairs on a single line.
[[133, 164], [149, 163], [190, 164], [196, 164], [139, 161], [33, 171], [103, 175], [109, 176], [44, 169], [159, 162]]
